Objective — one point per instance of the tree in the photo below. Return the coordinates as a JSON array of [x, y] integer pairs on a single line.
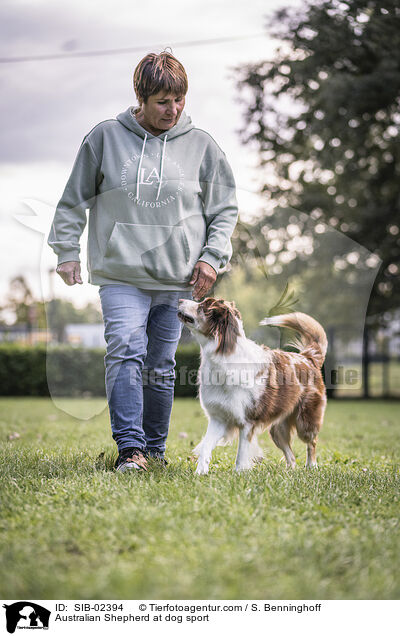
[[60, 313], [324, 118], [21, 305], [23, 309]]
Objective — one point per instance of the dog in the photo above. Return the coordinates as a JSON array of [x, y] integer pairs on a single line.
[[245, 388]]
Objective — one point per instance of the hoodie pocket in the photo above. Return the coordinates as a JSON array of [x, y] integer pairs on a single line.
[[159, 252]]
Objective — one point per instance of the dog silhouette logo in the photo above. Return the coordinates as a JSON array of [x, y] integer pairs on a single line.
[[26, 615]]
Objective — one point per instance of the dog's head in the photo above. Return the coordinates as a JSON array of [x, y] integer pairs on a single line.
[[213, 319]]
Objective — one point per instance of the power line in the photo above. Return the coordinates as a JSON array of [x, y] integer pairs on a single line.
[[57, 56]]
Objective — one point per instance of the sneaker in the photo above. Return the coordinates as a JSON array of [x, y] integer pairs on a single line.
[[130, 458]]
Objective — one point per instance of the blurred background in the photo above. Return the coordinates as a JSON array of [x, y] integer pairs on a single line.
[[303, 97]]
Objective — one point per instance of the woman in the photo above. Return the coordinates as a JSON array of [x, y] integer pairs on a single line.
[[162, 206]]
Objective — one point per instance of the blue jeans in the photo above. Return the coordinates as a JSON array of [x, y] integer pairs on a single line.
[[142, 331]]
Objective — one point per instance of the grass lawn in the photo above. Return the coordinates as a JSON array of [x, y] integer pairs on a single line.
[[72, 528]]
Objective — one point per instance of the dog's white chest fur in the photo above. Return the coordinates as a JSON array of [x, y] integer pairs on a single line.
[[229, 385]]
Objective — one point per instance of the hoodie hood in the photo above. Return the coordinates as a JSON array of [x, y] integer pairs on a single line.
[[128, 119]]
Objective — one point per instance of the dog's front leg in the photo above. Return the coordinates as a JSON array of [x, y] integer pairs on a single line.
[[215, 431], [245, 454]]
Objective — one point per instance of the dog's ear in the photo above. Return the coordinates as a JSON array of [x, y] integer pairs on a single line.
[[221, 323], [227, 332]]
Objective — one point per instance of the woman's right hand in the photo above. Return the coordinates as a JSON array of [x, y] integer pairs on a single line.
[[70, 272]]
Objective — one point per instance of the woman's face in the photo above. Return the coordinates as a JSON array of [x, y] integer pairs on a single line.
[[161, 111]]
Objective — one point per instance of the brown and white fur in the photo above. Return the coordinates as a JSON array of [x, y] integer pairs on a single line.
[[245, 388]]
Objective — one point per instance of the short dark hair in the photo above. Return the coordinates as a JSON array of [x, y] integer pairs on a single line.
[[157, 72]]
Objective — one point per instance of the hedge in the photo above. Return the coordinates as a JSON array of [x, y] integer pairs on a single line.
[[68, 371]]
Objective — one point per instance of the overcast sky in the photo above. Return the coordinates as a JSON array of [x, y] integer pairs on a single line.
[[47, 107]]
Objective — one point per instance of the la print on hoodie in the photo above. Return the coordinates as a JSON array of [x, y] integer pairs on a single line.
[[158, 204]]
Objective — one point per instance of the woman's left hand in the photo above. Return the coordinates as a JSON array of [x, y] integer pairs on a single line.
[[203, 278]]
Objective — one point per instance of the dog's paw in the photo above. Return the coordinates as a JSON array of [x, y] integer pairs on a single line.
[[243, 468], [201, 469], [196, 451]]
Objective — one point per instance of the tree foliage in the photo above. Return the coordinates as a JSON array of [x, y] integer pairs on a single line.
[[324, 117], [31, 313]]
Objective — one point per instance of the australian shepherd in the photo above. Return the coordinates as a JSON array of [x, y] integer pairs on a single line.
[[245, 388]]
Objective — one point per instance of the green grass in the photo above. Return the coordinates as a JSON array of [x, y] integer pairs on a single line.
[[72, 528]]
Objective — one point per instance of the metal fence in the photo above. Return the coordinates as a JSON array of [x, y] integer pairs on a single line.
[[362, 367]]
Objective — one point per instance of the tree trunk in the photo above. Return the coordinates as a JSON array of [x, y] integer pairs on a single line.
[[365, 362]]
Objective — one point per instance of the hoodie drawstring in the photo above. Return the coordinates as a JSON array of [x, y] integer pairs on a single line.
[[139, 167], [161, 167]]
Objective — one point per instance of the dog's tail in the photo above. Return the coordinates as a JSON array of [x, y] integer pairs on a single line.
[[312, 340]]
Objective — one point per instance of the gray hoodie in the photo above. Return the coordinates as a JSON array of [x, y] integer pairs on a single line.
[[158, 204]]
